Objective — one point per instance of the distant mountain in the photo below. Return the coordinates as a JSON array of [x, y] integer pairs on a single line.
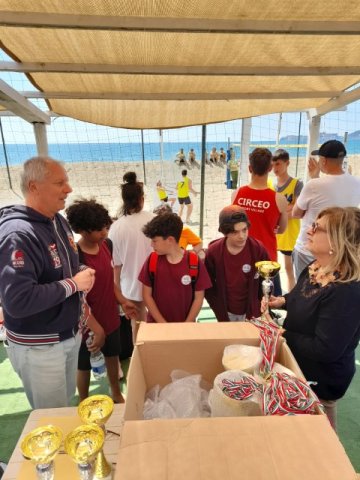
[[354, 135], [291, 139], [324, 137]]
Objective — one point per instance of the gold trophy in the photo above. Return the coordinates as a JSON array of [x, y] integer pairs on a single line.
[[268, 270], [40, 446], [98, 409], [83, 444]]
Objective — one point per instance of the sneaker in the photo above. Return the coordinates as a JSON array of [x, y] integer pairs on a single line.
[[2, 333]]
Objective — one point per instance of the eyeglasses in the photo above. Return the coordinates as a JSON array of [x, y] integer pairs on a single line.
[[315, 227]]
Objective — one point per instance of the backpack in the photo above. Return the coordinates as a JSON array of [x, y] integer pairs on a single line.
[[193, 263]]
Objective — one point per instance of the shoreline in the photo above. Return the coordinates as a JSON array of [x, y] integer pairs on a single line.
[[102, 180]]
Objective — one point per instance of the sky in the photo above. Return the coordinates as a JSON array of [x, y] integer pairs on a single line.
[[264, 128]]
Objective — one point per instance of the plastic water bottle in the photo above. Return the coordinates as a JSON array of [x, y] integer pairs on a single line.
[[97, 360]]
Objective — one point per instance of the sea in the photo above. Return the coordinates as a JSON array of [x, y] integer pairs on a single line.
[[15, 154]]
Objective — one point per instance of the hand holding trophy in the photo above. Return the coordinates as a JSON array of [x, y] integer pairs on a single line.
[[268, 270]]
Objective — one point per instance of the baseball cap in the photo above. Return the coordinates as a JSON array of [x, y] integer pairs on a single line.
[[331, 149], [232, 214]]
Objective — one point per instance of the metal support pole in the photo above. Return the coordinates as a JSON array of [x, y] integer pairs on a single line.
[[298, 148], [41, 139], [202, 179], [143, 154], [5, 155], [161, 154], [243, 176], [313, 141]]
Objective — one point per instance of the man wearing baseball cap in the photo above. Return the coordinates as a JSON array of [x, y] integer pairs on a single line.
[[334, 189], [235, 293]]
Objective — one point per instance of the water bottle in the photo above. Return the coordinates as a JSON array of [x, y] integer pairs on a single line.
[[97, 360]]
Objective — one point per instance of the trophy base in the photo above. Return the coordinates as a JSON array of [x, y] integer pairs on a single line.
[[102, 467]]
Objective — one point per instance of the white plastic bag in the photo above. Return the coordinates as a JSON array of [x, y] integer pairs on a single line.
[[183, 398], [241, 357]]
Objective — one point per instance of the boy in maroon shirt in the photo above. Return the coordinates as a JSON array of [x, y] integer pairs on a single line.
[[92, 221], [230, 262], [169, 293]]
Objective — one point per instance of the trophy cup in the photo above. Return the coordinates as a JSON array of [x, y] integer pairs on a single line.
[[83, 444], [267, 269], [40, 446], [98, 409]]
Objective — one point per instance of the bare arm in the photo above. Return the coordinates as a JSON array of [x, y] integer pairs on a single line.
[[99, 334], [151, 305], [117, 274], [196, 306], [129, 307], [282, 205], [297, 212], [191, 188]]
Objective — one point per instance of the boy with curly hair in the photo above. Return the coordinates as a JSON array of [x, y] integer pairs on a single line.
[[91, 221]]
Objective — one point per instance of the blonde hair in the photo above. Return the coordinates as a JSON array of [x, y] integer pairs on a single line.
[[343, 230]]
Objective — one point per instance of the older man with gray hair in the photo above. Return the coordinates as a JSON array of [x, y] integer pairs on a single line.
[[41, 285]]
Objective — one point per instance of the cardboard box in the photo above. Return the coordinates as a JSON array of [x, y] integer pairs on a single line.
[[244, 448], [303, 447], [193, 347]]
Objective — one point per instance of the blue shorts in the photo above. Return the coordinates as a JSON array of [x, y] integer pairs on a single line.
[[185, 200]]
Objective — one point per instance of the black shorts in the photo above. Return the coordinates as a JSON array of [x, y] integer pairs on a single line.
[[185, 200], [286, 252], [111, 348]]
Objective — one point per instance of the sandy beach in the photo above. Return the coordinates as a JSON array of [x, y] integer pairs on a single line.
[[102, 180]]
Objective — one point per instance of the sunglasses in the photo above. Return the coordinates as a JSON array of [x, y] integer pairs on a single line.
[[315, 227]]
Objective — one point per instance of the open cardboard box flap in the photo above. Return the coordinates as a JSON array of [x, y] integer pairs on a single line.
[[247, 448], [193, 347], [300, 447]]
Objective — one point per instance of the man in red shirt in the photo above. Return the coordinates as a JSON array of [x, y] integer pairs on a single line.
[[266, 209]]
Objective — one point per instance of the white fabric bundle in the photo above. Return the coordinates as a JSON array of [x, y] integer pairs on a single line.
[[241, 357]]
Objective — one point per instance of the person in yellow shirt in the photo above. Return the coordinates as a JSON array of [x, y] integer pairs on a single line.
[[291, 188], [162, 194], [184, 188]]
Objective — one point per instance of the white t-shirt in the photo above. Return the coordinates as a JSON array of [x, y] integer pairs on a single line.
[[324, 192], [130, 249]]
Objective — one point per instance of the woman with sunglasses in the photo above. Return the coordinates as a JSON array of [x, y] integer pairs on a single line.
[[322, 327]]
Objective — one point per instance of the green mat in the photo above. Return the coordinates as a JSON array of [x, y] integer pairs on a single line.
[[14, 408]]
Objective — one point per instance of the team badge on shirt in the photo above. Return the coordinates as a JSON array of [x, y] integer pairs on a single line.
[[18, 259], [54, 254], [72, 242], [186, 279], [246, 268]]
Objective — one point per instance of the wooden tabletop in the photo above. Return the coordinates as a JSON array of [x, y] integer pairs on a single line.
[[111, 447]]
